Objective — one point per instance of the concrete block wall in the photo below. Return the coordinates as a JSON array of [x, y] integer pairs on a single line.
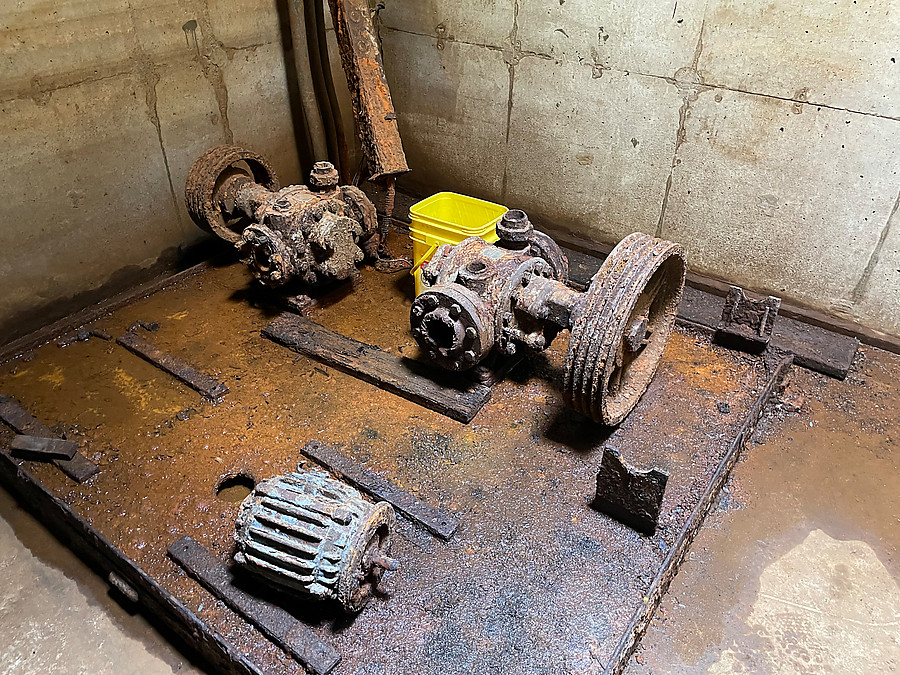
[[764, 136], [104, 105]]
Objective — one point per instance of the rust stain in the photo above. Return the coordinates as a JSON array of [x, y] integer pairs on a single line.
[[160, 469]]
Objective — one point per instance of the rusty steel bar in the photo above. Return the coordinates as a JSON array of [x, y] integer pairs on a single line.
[[295, 637], [373, 110]]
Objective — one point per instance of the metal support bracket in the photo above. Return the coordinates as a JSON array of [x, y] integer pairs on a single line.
[[746, 323]]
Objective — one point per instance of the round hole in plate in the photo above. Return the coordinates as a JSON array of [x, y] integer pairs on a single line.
[[235, 489]]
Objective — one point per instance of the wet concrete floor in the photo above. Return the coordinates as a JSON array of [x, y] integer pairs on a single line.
[[797, 570]]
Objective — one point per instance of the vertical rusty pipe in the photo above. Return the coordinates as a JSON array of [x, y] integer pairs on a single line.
[[311, 113], [343, 155], [318, 78]]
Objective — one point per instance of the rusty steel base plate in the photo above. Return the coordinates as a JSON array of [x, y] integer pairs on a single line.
[[533, 581]]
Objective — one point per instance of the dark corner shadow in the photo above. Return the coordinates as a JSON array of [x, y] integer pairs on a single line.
[[311, 611], [577, 432], [274, 301]]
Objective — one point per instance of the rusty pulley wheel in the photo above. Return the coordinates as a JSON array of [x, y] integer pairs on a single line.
[[210, 173], [622, 326]]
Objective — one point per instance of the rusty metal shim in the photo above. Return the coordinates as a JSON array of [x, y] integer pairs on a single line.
[[631, 497], [42, 448], [205, 384], [292, 635], [79, 468], [373, 110], [380, 488]]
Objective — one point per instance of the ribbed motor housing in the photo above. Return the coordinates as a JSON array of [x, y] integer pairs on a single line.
[[317, 535]]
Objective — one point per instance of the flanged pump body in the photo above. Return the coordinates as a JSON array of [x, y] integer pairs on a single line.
[[481, 298], [314, 234], [316, 535]]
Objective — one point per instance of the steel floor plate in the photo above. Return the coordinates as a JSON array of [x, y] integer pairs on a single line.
[[533, 581]]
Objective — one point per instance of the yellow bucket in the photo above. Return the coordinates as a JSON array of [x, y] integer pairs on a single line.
[[448, 218]]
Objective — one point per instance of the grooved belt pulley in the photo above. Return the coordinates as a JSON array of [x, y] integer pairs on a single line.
[[481, 298], [310, 532], [313, 234]]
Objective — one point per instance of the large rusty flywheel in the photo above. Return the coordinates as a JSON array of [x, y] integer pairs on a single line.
[[621, 327]]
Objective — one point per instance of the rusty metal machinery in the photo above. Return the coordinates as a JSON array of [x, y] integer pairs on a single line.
[[313, 234], [481, 298], [316, 535]]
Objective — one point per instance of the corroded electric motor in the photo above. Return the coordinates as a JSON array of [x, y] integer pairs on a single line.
[[481, 298], [314, 234], [314, 534]]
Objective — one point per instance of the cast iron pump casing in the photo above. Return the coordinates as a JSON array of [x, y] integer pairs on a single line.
[[480, 298], [312, 533], [315, 234]]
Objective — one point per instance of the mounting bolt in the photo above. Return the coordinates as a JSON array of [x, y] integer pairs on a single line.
[[323, 176], [471, 333], [455, 310], [514, 229], [417, 310]]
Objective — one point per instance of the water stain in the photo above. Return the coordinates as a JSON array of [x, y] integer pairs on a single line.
[[190, 35]]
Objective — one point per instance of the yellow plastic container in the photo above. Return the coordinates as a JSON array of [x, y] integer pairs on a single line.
[[448, 218]]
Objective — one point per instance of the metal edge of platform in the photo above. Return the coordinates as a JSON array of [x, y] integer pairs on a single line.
[[109, 562], [672, 562]]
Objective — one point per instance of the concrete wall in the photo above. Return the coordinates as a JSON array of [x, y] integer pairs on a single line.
[[104, 105], [762, 135]]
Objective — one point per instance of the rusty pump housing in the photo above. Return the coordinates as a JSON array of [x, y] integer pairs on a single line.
[[313, 234], [482, 299]]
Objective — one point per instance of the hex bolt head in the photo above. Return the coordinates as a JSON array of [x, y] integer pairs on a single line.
[[323, 176], [455, 310], [469, 356], [471, 333], [514, 229], [417, 310]]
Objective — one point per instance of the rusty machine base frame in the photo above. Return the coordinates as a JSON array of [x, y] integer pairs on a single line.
[[532, 575]]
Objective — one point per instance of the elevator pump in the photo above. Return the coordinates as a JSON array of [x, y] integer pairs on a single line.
[[512, 296], [314, 234]]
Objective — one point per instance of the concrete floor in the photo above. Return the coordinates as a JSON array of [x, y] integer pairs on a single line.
[[796, 571]]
